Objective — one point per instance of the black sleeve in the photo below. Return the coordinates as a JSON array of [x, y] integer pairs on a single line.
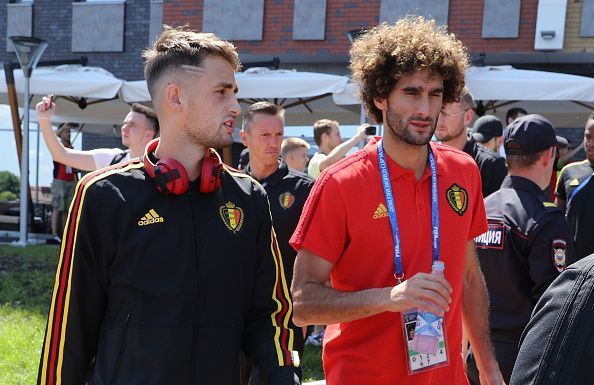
[[557, 346], [269, 340], [495, 175], [79, 294], [551, 251], [560, 189]]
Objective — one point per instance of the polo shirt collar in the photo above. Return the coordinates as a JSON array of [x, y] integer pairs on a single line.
[[396, 171], [274, 178]]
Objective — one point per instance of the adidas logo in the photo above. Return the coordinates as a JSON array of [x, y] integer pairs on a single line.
[[380, 212], [150, 218]]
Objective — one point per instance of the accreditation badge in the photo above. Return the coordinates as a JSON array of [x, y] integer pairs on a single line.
[[424, 337]]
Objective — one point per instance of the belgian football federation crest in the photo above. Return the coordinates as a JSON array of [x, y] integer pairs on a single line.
[[232, 216], [457, 198], [286, 200]]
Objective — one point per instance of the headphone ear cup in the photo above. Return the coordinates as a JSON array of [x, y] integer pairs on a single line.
[[174, 177], [210, 177]]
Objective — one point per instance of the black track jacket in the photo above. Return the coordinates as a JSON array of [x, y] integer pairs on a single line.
[[155, 289]]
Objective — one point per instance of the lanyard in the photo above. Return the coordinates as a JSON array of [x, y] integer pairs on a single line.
[[577, 189], [387, 185]]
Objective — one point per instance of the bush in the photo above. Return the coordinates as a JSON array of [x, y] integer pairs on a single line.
[[6, 196], [10, 182]]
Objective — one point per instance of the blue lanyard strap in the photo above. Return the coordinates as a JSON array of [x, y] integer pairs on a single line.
[[575, 191], [391, 206]]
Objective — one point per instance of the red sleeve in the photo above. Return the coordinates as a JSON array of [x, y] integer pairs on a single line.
[[322, 228], [479, 216]]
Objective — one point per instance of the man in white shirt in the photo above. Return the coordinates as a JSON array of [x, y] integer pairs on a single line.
[[330, 144], [139, 127]]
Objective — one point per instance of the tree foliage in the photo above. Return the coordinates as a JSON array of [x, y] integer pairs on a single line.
[[9, 182]]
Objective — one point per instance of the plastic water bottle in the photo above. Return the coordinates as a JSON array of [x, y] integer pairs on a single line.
[[429, 326]]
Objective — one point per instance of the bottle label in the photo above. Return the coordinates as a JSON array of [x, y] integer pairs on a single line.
[[424, 335]]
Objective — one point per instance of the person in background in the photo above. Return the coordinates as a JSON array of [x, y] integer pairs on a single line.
[[528, 242], [262, 132], [63, 186], [514, 113], [244, 159], [575, 195], [294, 153], [331, 148], [139, 127], [452, 130]]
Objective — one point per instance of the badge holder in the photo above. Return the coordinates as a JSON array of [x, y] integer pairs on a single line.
[[428, 351]]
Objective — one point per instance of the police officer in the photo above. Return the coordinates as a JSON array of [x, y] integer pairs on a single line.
[[528, 242], [262, 133]]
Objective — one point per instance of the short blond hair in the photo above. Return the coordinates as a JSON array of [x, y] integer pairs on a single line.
[[292, 144]]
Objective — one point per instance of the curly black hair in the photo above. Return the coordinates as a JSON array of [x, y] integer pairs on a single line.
[[386, 52]]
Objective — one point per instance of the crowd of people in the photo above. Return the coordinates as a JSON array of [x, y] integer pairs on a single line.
[[177, 268]]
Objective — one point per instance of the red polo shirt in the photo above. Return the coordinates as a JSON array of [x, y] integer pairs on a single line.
[[345, 221]]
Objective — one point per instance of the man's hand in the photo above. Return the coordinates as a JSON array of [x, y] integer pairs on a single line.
[[427, 292], [360, 133], [493, 377], [46, 108]]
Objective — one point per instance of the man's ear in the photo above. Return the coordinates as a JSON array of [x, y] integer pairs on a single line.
[[381, 104], [468, 117], [173, 97], [243, 136]]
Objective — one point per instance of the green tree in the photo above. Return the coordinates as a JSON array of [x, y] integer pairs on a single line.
[[7, 196], [9, 182]]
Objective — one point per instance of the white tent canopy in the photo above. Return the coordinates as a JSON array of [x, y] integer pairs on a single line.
[[565, 99], [74, 86], [508, 83], [261, 83]]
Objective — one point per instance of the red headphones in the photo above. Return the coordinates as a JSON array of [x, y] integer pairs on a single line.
[[171, 177]]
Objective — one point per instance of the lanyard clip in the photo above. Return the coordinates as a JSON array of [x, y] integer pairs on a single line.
[[399, 278]]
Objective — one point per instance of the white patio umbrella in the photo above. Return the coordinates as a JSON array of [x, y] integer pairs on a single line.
[[565, 99]]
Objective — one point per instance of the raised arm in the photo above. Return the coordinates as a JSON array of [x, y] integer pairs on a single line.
[[81, 160], [340, 151]]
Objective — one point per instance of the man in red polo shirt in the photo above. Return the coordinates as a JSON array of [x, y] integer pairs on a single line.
[[350, 234]]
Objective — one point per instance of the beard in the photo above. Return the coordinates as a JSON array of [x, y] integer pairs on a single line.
[[447, 136], [208, 137], [399, 128]]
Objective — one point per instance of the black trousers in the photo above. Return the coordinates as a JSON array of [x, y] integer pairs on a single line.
[[506, 352]]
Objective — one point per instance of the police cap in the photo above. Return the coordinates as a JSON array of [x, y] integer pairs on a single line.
[[530, 134]]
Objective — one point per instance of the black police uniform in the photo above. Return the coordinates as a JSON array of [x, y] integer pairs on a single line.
[[580, 211], [155, 289], [287, 192], [558, 343], [491, 165], [526, 247]]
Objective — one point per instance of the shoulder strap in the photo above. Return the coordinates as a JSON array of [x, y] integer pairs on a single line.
[[119, 157]]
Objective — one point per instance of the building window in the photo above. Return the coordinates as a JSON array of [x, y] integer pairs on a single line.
[[98, 26]]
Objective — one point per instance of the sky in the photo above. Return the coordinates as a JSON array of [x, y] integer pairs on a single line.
[[8, 155]]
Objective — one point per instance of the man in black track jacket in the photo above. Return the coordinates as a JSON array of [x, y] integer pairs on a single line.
[[169, 265], [262, 133]]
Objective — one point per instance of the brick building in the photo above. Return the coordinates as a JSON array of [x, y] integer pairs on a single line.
[[553, 35], [111, 34]]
